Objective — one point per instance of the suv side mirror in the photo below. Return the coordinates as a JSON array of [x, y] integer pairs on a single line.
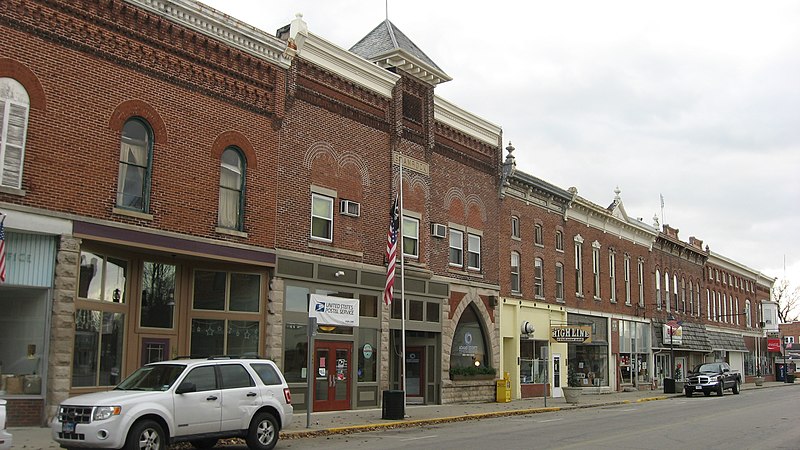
[[186, 386]]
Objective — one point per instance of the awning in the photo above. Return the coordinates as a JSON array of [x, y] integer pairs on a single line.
[[694, 339], [726, 341]]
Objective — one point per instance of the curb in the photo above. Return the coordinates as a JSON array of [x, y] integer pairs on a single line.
[[462, 418]]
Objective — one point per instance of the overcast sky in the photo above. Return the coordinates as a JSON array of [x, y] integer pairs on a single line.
[[698, 101]]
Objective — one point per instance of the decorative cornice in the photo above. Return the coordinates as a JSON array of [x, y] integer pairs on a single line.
[[401, 59], [348, 65], [730, 265], [220, 26], [466, 122]]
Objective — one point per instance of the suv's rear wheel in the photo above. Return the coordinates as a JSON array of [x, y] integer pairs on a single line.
[[263, 433], [146, 435], [204, 443]]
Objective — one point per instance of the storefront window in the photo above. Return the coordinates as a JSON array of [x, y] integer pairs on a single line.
[[213, 290], [469, 344], [224, 337], [368, 355], [101, 278], [590, 361], [22, 333], [297, 298], [634, 344], [533, 361], [158, 295], [97, 356], [295, 352]]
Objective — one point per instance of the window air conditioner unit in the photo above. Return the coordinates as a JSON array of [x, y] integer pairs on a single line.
[[438, 230], [350, 208]]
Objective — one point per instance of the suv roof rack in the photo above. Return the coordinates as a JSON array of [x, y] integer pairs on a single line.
[[242, 356]]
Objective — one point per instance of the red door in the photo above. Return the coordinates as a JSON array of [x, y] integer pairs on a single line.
[[332, 375]]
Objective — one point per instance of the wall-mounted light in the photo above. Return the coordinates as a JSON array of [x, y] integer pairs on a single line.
[[339, 273]]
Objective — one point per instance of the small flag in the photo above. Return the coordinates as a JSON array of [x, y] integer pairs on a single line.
[[2, 250], [391, 252], [662, 199]]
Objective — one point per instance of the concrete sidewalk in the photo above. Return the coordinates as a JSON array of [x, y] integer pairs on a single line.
[[353, 421]]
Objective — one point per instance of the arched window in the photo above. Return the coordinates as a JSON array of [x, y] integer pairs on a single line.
[[14, 106], [748, 319], [667, 297], [135, 157], [231, 189], [538, 278], [469, 342]]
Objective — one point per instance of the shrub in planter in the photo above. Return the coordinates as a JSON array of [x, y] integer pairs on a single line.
[[473, 371]]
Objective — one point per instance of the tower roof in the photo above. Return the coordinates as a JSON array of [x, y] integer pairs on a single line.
[[389, 47]]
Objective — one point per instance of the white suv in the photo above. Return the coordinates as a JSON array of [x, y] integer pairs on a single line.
[[195, 400]]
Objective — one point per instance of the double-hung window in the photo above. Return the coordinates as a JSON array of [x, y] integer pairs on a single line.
[[514, 227], [231, 189], [579, 266], [410, 237], [596, 268], [473, 251], [515, 259], [456, 248], [559, 282], [538, 238], [322, 217], [612, 268], [538, 278], [14, 107]]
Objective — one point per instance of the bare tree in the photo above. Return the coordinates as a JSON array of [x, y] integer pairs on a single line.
[[788, 299]]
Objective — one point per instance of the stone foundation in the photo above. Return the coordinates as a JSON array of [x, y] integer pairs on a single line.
[[469, 391]]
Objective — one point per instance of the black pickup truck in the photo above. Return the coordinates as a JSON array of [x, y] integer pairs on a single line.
[[712, 377]]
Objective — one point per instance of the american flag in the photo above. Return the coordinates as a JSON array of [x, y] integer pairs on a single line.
[[2, 251], [391, 252]]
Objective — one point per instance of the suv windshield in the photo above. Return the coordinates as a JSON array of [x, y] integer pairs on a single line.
[[157, 377]]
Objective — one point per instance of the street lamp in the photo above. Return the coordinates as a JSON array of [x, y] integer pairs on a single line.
[[671, 324]]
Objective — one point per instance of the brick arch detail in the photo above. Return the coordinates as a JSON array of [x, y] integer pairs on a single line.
[[322, 148], [487, 321], [466, 200], [234, 138], [138, 108], [14, 69]]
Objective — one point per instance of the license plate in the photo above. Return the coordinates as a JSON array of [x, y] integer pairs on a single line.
[[698, 388], [67, 427]]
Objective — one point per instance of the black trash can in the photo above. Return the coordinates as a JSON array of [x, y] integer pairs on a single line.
[[790, 378], [669, 385], [393, 407]]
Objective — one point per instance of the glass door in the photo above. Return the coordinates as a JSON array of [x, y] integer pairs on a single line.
[[415, 373], [332, 375]]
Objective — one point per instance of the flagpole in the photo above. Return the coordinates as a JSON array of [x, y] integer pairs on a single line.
[[402, 293]]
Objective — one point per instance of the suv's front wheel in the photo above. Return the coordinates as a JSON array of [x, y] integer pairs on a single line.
[[146, 435], [263, 433]]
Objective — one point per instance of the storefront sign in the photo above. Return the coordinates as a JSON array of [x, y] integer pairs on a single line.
[[467, 348], [367, 351], [581, 334], [673, 335], [774, 345], [334, 310]]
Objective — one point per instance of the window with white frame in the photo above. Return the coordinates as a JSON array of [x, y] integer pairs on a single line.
[[612, 269], [736, 304], [515, 259], [667, 296], [231, 189], [474, 251], [410, 237], [658, 289], [697, 299], [322, 217], [640, 273], [579, 265], [135, 159], [748, 317], [14, 108], [538, 278], [627, 269], [514, 226], [691, 298], [456, 247], [725, 308], [559, 282], [708, 304], [683, 295], [559, 241], [538, 238], [675, 291], [596, 268]]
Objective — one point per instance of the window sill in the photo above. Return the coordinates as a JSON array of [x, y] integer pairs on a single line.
[[538, 245], [329, 248], [130, 213], [597, 299], [12, 191], [230, 232]]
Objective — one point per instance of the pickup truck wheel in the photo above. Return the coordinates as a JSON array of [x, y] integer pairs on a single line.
[[735, 387], [146, 435], [263, 432], [720, 389], [204, 443]]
